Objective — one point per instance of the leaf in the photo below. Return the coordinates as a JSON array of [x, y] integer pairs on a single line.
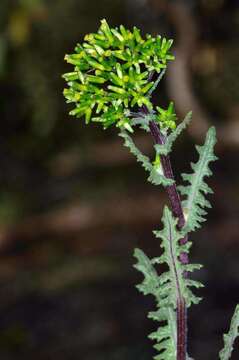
[[166, 335], [170, 285], [167, 147], [161, 74], [144, 265], [167, 287], [156, 176], [230, 337], [174, 134], [178, 285], [128, 142], [195, 203]]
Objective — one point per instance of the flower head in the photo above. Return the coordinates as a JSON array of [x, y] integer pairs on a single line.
[[111, 73]]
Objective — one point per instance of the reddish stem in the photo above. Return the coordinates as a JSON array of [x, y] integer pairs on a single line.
[[181, 329], [168, 173], [177, 210]]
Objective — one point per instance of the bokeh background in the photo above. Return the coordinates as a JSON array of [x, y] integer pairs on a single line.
[[73, 202]]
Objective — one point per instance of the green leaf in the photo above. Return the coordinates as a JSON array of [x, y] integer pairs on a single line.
[[195, 203], [167, 118], [156, 176], [128, 142], [151, 282], [167, 147], [155, 85], [178, 285], [230, 337], [169, 286]]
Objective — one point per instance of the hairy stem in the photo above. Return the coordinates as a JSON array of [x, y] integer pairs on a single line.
[[177, 209]]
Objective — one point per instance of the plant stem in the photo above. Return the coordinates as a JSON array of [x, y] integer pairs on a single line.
[[172, 192], [168, 173], [181, 329], [177, 209]]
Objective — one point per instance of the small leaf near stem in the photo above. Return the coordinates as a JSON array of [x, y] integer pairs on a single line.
[[230, 337]]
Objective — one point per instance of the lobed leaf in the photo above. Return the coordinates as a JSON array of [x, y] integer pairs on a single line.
[[156, 176], [169, 286], [231, 336], [195, 203], [166, 148]]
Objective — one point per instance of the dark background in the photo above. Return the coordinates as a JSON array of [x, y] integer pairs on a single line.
[[73, 202]]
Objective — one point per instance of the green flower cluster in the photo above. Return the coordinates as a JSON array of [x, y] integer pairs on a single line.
[[111, 73], [166, 118]]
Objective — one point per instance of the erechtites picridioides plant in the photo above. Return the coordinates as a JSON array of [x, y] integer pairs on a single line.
[[115, 71]]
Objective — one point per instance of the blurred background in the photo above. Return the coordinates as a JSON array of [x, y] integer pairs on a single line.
[[74, 204]]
